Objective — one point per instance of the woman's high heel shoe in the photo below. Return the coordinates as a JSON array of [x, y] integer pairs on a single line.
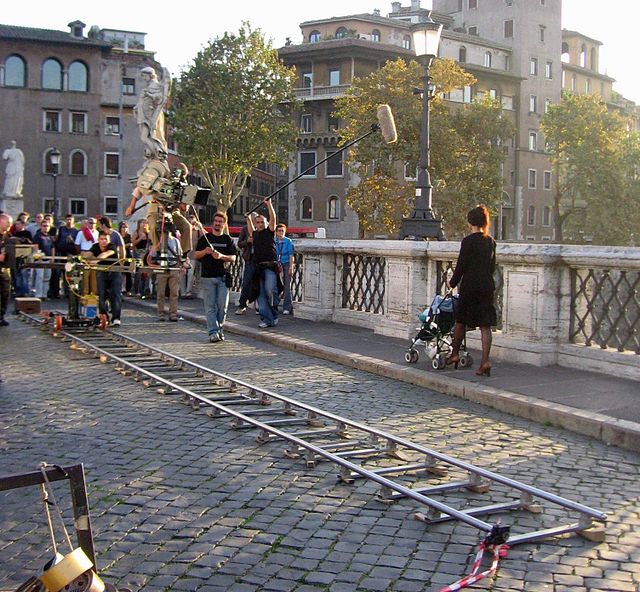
[[484, 370], [455, 360]]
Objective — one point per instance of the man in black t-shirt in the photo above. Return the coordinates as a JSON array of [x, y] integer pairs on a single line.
[[105, 253], [265, 261], [214, 250]]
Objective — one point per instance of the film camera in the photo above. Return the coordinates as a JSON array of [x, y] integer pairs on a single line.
[[170, 187], [18, 253]]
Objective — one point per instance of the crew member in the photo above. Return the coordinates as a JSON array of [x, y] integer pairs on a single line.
[[265, 261], [105, 254], [154, 214], [213, 250], [169, 277]]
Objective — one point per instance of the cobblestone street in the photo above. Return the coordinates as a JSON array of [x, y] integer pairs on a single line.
[[180, 501]]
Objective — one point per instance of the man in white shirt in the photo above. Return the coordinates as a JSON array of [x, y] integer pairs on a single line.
[[86, 238]]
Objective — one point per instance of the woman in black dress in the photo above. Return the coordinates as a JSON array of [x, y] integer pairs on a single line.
[[474, 272]]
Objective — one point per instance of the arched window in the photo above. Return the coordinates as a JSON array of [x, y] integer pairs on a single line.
[[78, 163], [47, 166], [78, 77], [375, 35], [583, 56], [565, 57], [487, 59], [342, 33], [462, 54], [333, 209], [531, 216], [406, 42], [306, 208], [546, 216], [314, 36], [15, 71], [52, 75]]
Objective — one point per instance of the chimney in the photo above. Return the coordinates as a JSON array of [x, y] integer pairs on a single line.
[[415, 4], [395, 7], [76, 29]]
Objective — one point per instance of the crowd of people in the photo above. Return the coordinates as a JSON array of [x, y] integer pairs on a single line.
[[199, 262]]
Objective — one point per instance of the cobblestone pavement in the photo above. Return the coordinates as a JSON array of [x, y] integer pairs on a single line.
[[180, 501]]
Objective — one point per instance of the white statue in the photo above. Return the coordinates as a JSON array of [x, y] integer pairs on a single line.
[[14, 173], [150, 115]]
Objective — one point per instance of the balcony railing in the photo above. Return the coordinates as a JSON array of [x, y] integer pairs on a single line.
[[321, 92]]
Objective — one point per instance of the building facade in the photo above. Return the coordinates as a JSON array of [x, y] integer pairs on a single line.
[[516, 50], [335, 51], [73, 92]]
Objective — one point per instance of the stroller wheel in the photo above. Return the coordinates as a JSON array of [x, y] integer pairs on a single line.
[[439, 362], [466, 361], [411, 357]]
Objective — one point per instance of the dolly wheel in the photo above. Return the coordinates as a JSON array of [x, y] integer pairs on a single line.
[[104, 321], [57, 322]]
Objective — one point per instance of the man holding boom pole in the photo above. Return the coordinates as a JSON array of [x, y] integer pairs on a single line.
[[265, 260]]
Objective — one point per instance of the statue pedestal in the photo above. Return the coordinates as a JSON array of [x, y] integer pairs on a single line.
[[12, 206]]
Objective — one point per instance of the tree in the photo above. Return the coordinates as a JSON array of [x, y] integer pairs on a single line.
[[465, 160], [594, 160], [228, 112]]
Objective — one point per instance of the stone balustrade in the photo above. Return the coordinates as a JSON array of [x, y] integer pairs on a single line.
[[576, 306]]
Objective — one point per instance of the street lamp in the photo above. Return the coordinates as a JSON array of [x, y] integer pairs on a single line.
[[54, 158], [422, 224]]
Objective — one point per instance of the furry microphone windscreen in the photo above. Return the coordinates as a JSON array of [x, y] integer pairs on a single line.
[[387, 124]]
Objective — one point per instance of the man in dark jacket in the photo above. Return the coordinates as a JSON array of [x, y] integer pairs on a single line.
[[5, 273], [245, 244]]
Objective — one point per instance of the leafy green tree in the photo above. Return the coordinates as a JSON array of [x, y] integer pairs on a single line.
[[465, 159], [229, 111], [594, 161]]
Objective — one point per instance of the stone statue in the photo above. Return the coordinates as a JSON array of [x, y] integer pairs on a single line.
[[14, 173], [149, 113]]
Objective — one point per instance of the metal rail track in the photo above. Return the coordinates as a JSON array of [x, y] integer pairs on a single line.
[[402, 468]]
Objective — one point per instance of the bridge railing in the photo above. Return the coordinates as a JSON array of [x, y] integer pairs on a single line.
[[569, 305]]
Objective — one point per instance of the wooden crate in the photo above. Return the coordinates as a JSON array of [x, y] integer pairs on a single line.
[[28, 305]]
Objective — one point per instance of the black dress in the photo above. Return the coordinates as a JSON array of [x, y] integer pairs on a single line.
[[474, 272]]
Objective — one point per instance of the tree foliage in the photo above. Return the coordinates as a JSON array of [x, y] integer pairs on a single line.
[[594, 160], [228, 112], [464, 148]]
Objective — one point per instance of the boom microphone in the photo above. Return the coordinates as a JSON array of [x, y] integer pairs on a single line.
[[387, 124]]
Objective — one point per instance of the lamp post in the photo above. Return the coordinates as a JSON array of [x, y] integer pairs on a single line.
[[422, 224], [54, 158]]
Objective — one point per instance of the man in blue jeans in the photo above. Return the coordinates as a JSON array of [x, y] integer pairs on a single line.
[[213, 250], [265, 261], [285, 250]]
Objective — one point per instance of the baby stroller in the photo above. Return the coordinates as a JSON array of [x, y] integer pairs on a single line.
[[436, 333]]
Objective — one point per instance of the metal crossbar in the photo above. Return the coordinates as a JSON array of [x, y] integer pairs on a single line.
[[325, 435], [605, 308], [363, 283]]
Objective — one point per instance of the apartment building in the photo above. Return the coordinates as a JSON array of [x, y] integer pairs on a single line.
[[74, 92], [334, 51]]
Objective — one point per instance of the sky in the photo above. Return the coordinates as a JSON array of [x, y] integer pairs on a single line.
[[177, 31]]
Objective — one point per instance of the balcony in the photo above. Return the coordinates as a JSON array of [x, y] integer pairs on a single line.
[[321, 92]]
